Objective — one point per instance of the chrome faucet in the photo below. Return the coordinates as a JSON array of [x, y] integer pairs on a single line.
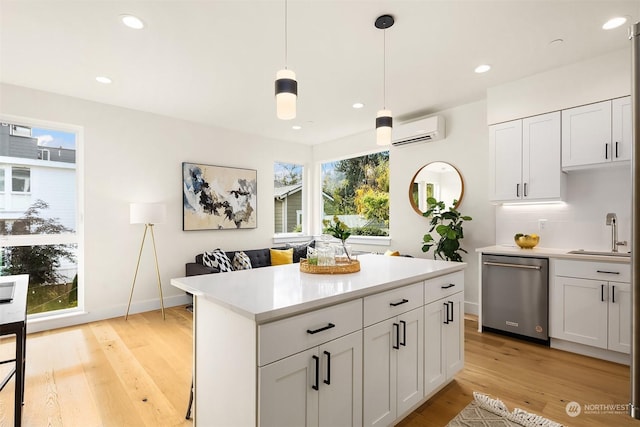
[[612, 220]]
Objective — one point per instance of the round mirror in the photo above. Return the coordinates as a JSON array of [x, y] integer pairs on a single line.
[[439, 180]]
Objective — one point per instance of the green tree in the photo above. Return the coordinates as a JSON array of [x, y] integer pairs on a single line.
[[40, 262]]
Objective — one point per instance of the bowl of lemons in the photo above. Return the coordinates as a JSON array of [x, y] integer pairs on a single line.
[[526, 241]]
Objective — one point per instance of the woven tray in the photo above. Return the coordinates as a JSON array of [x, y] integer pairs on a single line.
[[339, 268]]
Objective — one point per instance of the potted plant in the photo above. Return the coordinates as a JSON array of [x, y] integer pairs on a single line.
[[448, 225], [339, 230]]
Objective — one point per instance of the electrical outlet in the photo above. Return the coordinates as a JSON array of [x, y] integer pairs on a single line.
[[542, 224]]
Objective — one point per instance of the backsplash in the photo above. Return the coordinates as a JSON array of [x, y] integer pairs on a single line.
[[579, 223]]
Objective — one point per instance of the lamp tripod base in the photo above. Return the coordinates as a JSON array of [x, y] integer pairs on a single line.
[[135, 276]]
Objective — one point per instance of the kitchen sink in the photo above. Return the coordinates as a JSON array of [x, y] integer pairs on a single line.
[[601, 253]]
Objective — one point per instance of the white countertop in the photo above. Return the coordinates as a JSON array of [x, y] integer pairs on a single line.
[[515, 250], [269, 293]]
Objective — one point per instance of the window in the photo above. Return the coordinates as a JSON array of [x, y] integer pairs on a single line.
[[287, 198], [43, 154], [20, 180], [38, 216], [357, 191]]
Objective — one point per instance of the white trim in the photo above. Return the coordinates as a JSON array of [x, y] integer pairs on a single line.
[[291, 238]]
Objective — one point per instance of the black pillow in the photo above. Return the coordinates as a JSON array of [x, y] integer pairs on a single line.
[[300, 249]]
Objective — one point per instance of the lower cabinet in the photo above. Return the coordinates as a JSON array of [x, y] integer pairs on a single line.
[[443, 341], [590, 306], [393, 366], [321, 386]]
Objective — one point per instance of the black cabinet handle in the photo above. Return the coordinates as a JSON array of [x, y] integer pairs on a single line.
[[617, 150], [396, 331], [324, 328], [602, 293], [607, 272], [606, 151], [517, 190], [613, 293], [328, 380], [395, 304], [451, 305], [446, 317], [404, 333], [317, 363], [450, 285], [525, 189]]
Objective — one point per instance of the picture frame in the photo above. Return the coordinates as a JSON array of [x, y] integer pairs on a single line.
[[218, 197]]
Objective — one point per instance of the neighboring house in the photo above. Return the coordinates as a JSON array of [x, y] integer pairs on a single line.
[[287, 201], [29, 172]]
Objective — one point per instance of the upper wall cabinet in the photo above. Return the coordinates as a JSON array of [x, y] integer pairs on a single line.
[[525, 160], [596, 134]]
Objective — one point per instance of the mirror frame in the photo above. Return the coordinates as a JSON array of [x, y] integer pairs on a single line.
[[413, 179]]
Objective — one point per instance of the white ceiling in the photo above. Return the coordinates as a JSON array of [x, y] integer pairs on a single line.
[[214, 62]]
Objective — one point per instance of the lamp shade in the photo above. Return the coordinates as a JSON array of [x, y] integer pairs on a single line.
[[147, 213], [384, 123], [286, 94]]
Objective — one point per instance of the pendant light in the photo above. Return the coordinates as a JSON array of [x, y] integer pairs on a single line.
[[384, 119], [286, 85]]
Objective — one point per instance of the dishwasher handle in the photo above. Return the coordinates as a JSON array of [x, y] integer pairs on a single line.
[[503, 264]]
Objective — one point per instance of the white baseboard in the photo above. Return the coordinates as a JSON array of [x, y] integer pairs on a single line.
[[587, 350], [81, 317], [471, 307]]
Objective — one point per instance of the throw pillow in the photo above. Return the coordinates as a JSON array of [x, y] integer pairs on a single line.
[[392, 253], [279, 257], [300, 249], [217, 259], [241, 261]]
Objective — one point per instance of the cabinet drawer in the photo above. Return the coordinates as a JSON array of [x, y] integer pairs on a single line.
[[609, 271], [388, 304], [440, 287], [289, 336]]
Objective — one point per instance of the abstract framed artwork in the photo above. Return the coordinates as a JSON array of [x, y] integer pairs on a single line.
[[218, 197]]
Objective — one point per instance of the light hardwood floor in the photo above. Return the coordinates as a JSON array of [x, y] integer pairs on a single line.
[[138, 372]]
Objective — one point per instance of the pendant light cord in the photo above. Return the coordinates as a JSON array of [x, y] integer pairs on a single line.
[[384, 68], [285, 35]]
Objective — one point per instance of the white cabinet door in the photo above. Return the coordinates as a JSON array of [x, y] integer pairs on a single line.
[[434, 365], [621, 132], [286, 394], [586, 135], [379, 373], [620, 317], [410, 360], [505, 161], [453, 344], [541, 164], [579, 311], [340, 394]]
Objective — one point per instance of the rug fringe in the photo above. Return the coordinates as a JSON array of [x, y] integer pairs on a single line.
[[520, 416]]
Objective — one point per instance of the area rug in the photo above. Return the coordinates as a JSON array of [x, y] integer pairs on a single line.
[[485, 411]]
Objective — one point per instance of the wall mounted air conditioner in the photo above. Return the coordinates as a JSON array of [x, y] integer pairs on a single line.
[[422, 130]]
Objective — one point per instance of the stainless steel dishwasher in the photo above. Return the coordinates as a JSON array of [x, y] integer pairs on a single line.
[[515, 296]]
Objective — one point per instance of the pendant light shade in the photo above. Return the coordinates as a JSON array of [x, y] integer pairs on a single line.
[[286, 84], [384, 119], [286, 94], [384, 123]]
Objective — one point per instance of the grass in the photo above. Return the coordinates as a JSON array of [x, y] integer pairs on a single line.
[[44, 298]]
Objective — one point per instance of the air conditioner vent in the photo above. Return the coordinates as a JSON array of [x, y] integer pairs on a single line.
[[422, 130]]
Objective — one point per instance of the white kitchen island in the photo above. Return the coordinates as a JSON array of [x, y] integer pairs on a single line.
[[274, 346]]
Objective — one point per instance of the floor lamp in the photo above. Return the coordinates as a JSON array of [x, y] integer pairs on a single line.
[[148, 214]]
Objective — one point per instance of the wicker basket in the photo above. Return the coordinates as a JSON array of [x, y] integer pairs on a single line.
[[339, 268]]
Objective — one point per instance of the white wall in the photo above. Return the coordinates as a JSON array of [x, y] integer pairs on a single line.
[[466, 147], [594, 80], [131, 156]]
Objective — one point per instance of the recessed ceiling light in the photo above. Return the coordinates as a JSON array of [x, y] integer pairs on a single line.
[[614, 23], [132, 22], [358, 105], [482, 68], [103, 79], [296, 127]]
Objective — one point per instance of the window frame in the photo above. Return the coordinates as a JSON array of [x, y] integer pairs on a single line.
[[303, 235]]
